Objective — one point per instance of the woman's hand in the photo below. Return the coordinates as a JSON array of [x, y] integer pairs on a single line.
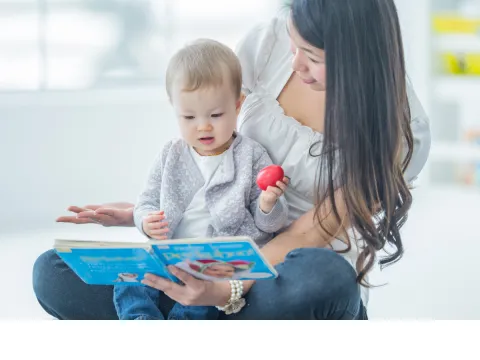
[[194, 292], [111, 214]]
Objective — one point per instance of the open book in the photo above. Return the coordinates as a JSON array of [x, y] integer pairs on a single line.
[[109, 263]]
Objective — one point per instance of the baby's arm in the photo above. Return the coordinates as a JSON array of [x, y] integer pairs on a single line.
[[277, 217], [149, 199]]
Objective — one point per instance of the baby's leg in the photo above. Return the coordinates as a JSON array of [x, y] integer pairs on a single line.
[[137, 303], [180, 312]]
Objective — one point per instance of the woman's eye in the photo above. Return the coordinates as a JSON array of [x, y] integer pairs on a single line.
[[217, 115], [314, 61]]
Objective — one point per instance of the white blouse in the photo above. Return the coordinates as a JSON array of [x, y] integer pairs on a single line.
[[266, 64]]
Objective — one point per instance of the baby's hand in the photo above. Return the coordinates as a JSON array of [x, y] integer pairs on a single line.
[[154, 226], [269, 197]]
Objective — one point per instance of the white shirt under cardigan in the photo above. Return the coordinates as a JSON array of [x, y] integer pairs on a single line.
[[267, 66], [197, 218]]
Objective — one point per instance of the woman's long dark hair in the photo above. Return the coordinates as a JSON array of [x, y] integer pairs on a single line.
[[368, 140]]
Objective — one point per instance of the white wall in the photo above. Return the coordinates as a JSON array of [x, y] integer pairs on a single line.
[[415, 22], [75, 148]]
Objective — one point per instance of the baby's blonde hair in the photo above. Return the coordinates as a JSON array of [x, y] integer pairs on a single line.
[[204, 63]]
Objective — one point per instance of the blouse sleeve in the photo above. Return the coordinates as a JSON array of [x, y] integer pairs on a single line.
[[421, 136], [254, 50]]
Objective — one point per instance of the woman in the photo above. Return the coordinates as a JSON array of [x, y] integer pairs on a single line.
[[340, 124]]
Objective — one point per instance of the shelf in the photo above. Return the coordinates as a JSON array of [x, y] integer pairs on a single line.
[[457, 87], [468, 43], [456, 152]]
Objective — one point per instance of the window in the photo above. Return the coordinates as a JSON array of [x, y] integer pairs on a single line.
[[84, 44]]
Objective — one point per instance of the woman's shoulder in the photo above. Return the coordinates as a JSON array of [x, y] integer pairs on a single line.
[[264, 33], [256, 48]]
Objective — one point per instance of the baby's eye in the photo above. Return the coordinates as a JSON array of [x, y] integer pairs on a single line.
[[189, 117], [217, 115]]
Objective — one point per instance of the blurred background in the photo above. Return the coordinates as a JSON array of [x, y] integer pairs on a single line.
[[84, 111]]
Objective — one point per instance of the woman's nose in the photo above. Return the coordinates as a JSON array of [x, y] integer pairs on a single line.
[[298, 63]]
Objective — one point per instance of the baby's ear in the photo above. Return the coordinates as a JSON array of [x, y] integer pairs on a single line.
[[240, 101]]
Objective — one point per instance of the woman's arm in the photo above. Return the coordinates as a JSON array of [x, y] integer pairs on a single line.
[[110, 214], [306, 232]]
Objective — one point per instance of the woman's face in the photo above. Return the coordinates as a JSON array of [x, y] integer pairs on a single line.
[[308, 61]]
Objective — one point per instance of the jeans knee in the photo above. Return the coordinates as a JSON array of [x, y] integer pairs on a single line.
[[324, 277], [326, 258], [42, 272]]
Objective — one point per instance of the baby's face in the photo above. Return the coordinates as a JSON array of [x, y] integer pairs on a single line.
[[129, 275], [207, 117], [220, 271]]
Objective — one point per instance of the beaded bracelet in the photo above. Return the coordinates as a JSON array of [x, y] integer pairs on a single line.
[[236, 302]]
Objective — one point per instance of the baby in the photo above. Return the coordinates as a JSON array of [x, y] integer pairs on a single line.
[[204, 184]]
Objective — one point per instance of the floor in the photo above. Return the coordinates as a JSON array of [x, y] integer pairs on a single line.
[[436, 279]]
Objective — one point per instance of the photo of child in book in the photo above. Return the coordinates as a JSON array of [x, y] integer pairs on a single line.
[[127, 277], [204, 184], [215, 270]]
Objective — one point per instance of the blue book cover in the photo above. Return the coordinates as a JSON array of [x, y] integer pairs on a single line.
[[217, 259]]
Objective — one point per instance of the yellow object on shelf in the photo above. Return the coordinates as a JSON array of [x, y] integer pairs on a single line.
[[461, 64], [473, 64], [455, 24]]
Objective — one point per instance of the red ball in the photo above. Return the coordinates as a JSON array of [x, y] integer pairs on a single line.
[[269, 176]]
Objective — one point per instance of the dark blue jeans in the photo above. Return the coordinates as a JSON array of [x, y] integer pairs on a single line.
[[141, 303], [316, 284]]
